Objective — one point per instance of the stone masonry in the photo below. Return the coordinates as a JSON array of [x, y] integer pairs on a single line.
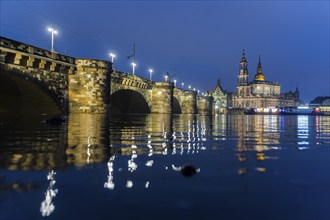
[[162, 97], [89, 89], [47, 69], [204, 105]]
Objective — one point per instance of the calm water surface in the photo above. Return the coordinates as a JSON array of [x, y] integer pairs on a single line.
[[128, 167]]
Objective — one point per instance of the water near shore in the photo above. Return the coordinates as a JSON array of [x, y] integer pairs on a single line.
[[131, 167]]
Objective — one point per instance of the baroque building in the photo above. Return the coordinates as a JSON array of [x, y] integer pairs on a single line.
[[290, 99], [219, 96], [259, 93]]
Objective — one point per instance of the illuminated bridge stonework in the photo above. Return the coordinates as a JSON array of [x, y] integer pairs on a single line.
[[93, 86]]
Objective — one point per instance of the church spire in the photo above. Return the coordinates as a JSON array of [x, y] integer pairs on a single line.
[[259, 69], [259, 76], [243, 75], [219, 83], [243, 59]]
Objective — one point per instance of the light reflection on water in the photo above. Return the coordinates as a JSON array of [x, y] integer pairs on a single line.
[[135, 152], [303, 131]]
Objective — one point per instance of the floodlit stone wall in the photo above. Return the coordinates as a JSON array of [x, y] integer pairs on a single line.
[[204, 105], [89, 88], [189, 104], [47, 69], [125, 81], [187, 100], [162, 96]]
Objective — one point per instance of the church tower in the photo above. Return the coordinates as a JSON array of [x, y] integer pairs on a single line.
[[243, 75], [259, 76]]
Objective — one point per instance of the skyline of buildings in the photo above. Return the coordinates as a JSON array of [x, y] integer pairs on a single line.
[[258, 93]]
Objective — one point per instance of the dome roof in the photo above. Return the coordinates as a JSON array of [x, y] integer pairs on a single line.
[[259, 77]]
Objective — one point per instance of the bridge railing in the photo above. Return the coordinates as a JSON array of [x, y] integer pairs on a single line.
[[117, 73], [25, 48]]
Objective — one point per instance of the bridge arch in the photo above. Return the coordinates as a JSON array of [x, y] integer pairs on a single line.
[[128, 101], [176, 106], [22, 94], [186, 100]]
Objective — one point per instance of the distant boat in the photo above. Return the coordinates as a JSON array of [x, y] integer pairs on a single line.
[[300, 110]]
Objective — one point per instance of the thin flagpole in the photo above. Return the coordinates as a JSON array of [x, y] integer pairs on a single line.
[[134, 52]]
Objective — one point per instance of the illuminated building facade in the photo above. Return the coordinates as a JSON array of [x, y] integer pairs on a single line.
[[321, 102], [290, 99], [219, 104], [259, 93]]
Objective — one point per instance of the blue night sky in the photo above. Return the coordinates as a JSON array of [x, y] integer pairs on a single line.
[[199, 40]]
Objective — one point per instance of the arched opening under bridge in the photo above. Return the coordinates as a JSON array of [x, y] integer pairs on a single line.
[[128, 101], [22, 96], [176, 106]]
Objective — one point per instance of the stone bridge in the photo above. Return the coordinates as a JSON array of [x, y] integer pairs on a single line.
[[92, 86]]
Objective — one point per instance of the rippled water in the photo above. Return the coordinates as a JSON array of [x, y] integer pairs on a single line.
[[128, 167]]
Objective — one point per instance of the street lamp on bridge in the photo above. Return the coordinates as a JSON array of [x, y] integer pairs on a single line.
[[112, 55], [182, 84], [133, 65], [189, 88], [150, 71], [167, 77], [53, 31], [174, 82]]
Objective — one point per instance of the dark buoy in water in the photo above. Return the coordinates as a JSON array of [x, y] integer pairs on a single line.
[[188, 170], [55, 121]]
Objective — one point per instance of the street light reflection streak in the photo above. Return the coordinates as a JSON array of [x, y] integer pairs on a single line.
[[132, 166], [47, 207], [149, 163], [129, 184], [174, 149], [150, 147], [110, 183], [88, 149], [147, 185]]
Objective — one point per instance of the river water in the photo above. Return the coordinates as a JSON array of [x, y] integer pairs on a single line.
[[131, 167]]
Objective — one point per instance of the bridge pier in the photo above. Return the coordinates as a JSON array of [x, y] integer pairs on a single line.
[[204, 105], [189, 103], [162, 98], [89, 87]]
